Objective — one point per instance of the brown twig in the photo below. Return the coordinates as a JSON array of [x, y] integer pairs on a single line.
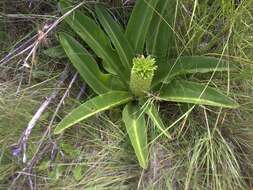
[[32, 44]]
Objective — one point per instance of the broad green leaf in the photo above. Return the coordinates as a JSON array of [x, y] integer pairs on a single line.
[[189, 64], [160, 38], [137, 132], [117, 37], [55, 52], [191, 92], [86, 65], [93, 106], [153, 114], [139, 22], [94, 36]]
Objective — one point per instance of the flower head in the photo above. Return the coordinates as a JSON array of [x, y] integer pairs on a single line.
[[144, 67], [142, 74]]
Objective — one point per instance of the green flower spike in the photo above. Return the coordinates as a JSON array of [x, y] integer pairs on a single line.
[[142, 74]]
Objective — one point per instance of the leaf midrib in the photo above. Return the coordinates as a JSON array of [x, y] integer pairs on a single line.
[[98, 47], [93, 113], [194, 100], [137, 142], [94, 78], [158, 27], [125, 58]]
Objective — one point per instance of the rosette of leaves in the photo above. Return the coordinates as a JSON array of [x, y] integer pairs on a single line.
[[128, 78]]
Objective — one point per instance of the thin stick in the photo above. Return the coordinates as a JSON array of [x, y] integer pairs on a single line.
[[24, 138], [62, 99], [55, 114], [39, 153], [42, 108]]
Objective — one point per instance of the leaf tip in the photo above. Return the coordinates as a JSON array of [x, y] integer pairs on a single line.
[[57, 130], [235, 105], [144, 165]]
